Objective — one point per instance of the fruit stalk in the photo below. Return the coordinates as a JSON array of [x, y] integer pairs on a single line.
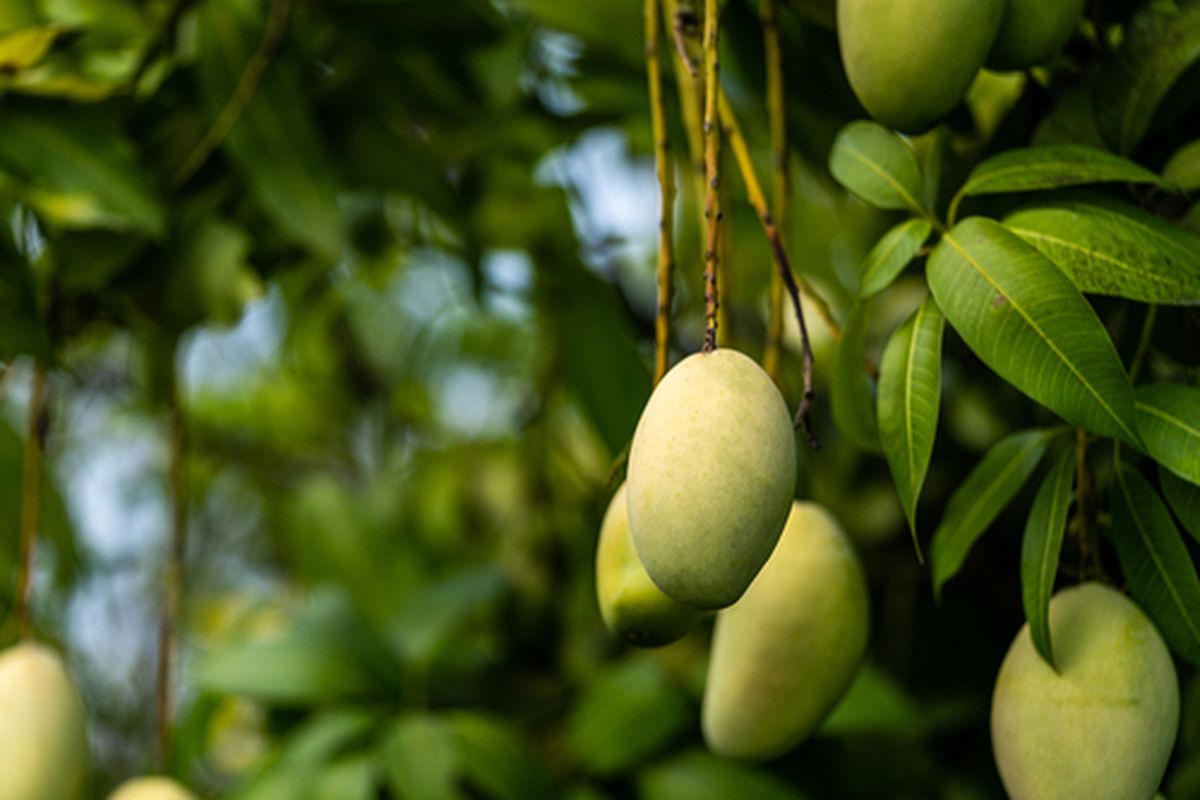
[[666, 189], [779, 175], [31, 496], [712, 176]]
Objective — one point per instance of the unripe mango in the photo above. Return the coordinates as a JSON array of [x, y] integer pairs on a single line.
[[631, 605], [43, 740], [1032, 31], [910, 61], [1103, 726], [712, 472], [784, 654], [155, 788]]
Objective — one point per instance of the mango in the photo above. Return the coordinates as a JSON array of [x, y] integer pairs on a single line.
[[631, 605], [783, 655], [154, 788], [910, 62], [1032, 31], [1104, 725], [712, 472], [43, 739]]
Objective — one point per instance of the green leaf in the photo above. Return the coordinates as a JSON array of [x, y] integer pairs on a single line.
[[990, 487], [875, 703], [494, 757], [274, 143], [1168, 417], [347, 779], [626, 715], [1040, 549], [1051, 166], [422, 758], [910, 385], [1156, 562], [22, 331], [877, 165], [1026, 320], [697, 775], [22, 49], [891, 254], [1160, 43], [1184, 499], [76, 169], [850, 394], [1112, 248], [1183, 169]]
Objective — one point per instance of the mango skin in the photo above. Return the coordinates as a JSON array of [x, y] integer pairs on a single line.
[[1033, 31], [1104, 727], [631, 605], [783, 655], [43, 736], [154, 788], [911, 61], [712, 472]]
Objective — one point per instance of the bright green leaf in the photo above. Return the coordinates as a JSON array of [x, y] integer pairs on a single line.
[[910, 385], [422, 759], [891, 254], [697, 775], [877, 165], [1051, 166], [851, 394], [1183, 169], [875, 703], [1040, 549], [1168, 417], [22, 49], [990, 487], [1184, 499], [347, 779], [1026, 320]]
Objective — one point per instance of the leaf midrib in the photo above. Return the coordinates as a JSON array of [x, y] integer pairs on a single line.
[[1168, 417], [972, 185], [1098, 255], [887, 177]]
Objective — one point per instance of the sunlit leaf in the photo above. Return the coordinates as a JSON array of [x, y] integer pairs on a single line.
[[1168, 417], [1040, 548], [1026, 320], [851, 394], [1183, 168], [877, 165], [422, 758], [346, 779], [891, 254], [1184, 499], [1049, 167], [22, 49]]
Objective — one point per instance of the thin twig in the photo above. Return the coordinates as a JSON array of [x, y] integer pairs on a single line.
[[31, 497], [1143, 346], [712, 171], [243, 93], [666, 189], [779, 176]]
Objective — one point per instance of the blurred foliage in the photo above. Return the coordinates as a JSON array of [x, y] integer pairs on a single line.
[[391, 251]]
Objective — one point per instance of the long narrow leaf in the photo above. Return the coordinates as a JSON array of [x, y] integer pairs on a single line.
[[891, 254], [1040, 549], [1184, 499], [1052, 166], [850, 395], [1168, 417]]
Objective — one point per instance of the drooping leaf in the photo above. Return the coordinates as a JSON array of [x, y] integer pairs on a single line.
[[891, 254], [993, 482], [1040, 548], [1168, 417], [1026, 320], [910, 385], [1156, 562], [1109, 247], [1184, 499], [851, 394], [1051, 166], [1161, 42], [697, 775], [877, 165], [1183, 169]]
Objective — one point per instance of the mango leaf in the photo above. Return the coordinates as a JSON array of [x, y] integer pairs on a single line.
[[494, 758], [1183, 169], [346, 779], [76, 169], [1040, 548], [850, 394], [994, 482], [697, 775], [422, 758], [1168, 417], [875, 703], [1184, 499], [1026, 320], [891, 254], [22, 330], [1112, 248], [306, 752], [22, 49], [1156, 562], [877, 165], [275, 143], [1160, 43], [1051, 166], [626, 715], [910, 386]]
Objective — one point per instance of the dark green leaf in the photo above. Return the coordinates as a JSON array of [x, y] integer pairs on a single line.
[[1156, 562], [22, 330], [910, 386], [1183, 170], [494, 757], [1168, 417], [891, 254], [422, 758], [1184, 499], [1026, 320], [1040, 548], [1113, 248], [851, 394], [981, 497], [1049, 167], [697, 775], [877, 165]]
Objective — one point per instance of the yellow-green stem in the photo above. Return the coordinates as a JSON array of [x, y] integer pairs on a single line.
[[666, 189], [712, 174], [779, 176]]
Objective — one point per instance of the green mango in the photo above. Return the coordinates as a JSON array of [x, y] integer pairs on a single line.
[[712, 472], [631, 605], [1032, 31], [43, 738], [783, 655], [1104, 725], [910, 61], [151, 789]]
